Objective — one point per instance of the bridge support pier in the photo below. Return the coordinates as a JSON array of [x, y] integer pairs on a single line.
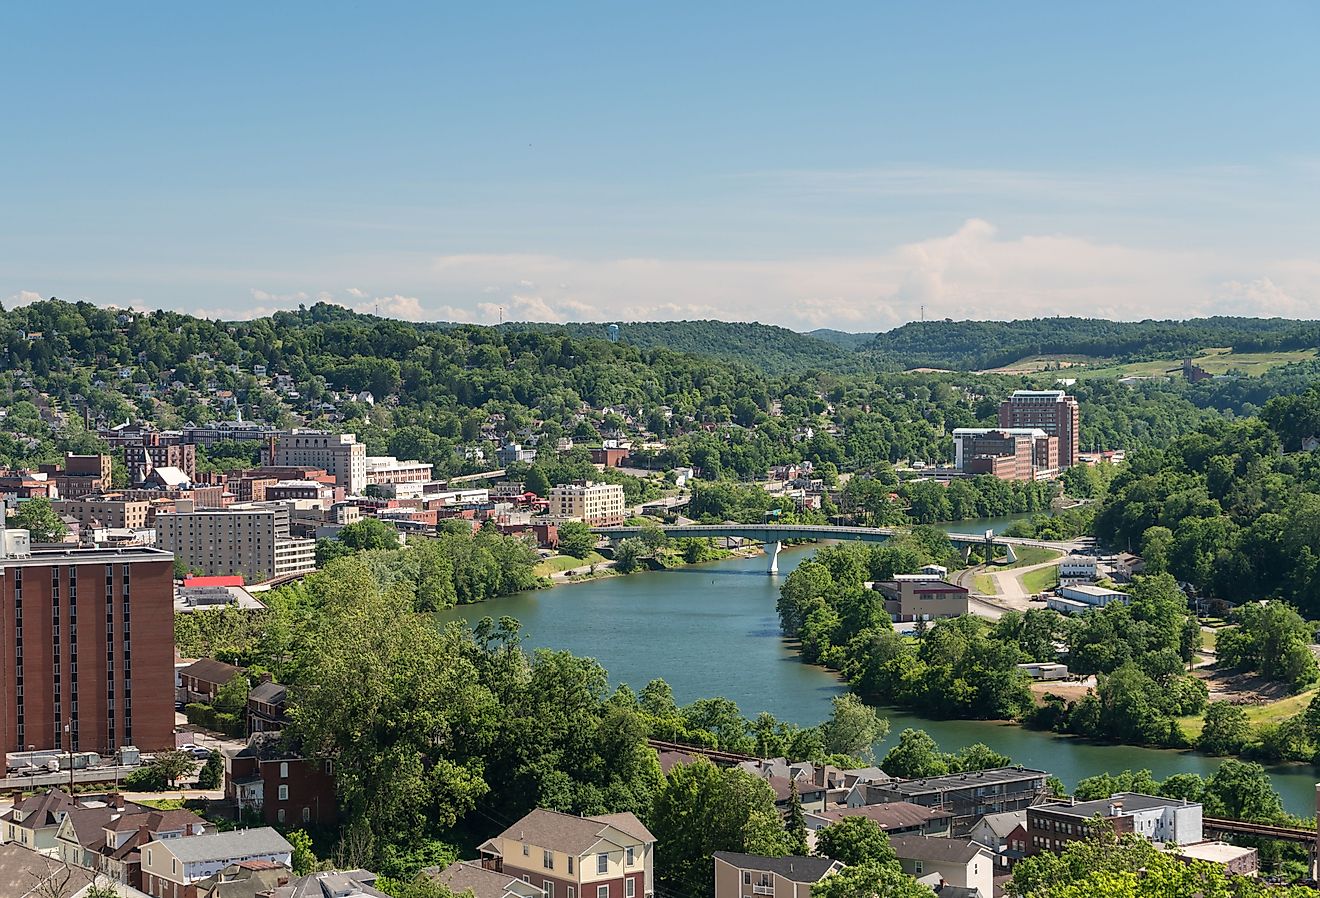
[[772, 553], [967, 552], [1011, 556]]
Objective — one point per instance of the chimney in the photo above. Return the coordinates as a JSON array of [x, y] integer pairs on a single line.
[[144, 833], [116, 800], [1115, 808]]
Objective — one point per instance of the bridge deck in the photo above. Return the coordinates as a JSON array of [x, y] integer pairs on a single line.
[[770, 533]]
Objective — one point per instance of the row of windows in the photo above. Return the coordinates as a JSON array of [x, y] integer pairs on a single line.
[[629, 885]]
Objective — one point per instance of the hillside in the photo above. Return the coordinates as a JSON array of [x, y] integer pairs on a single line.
[[980, 345], [770, 348], [846, 339]]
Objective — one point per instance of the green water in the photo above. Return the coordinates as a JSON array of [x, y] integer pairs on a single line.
[[711, 630]]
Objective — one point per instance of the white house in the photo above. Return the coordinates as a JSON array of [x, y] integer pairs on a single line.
[[169, 867]]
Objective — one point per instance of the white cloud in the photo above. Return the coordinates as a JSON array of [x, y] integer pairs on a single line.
[[22, 298]]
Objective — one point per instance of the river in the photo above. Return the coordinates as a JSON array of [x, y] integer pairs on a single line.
[[711, 630]]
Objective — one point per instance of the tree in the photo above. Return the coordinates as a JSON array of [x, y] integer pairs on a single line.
[[212, 774], [536, 481], [38, 517], [870, 881], [701, 809], [1241, 790], [628, 555], [977, 756], [916, 755], [796, 822], [854, 841], [304, 860], [853, 728], [576, 539], [1227, 730], [368, 533], [171, 766]]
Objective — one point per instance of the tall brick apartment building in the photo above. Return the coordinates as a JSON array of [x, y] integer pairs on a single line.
[[1052, 411], [79, 629]]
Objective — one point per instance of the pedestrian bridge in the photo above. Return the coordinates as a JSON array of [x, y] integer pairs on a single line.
[[772, 536]]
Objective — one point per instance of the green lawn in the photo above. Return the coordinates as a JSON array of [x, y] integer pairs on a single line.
[[1257, 715], [1029, 555], [1040, 580], [985, 585], [557, 563], [1216, 361]]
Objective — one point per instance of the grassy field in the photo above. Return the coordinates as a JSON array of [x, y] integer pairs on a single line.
[[1029, 555], [1040, 580], [1257, 715], [557, 563], [1216, 361], [985, 585], [1034, 364]]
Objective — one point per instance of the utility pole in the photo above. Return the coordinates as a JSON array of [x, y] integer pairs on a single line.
[[68, 731]]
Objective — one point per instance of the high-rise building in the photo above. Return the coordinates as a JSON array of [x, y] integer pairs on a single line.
[[252, 540], [79, 629], [1052, 411], [339, 454], [597, 504], [154, 452]]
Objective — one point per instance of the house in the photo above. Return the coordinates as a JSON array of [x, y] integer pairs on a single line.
[[1081, 597], [25, 873], [33, 821], [1050, 827], [1004, 834], [245, 879], [960, 863], [265, 707], [913, 597], [753, 876], [811, 796], [1235, 859], [201, 680], [330, 884], [605, 856], [1129, 565], [109, 838], [465, 876], [284, 787], [894, 817], [174, 868], [970, 796]]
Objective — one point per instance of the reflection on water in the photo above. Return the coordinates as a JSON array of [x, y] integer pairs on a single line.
[[711, 630]]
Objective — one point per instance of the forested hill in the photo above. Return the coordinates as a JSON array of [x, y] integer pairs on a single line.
[[978, 345], [846, 339], [770, 348]]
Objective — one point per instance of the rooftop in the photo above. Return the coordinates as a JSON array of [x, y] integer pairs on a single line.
[[796, 869], [570, 833], [1129, 801], [930, 848], [890, 815], [227, 845], [993, 776]]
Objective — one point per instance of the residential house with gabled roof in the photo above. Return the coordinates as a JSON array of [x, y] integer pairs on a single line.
[[466, 876], [266, 705], [330, 884], [25, 873], [175, 868], [109, 838], [278, 782], [955, 862], [202, 680], [894, 817], [755, 876], [33, 821], [605, 856]]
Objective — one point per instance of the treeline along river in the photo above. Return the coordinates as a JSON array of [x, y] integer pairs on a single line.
[[712, 630]]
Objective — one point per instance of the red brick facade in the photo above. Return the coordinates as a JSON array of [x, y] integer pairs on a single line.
[[88, 641]]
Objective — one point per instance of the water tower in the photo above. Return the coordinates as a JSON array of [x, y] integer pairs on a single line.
[[612, 333]]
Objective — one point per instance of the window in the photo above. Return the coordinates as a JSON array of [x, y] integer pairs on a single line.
[[570, 891], [174, 865], [628, 855], [570, 868], [629, 887], [279, 815], [602, 862], [918, 867], [284, 793], [549, 889], [307, 815], [548, 859], [602, 892], [526, 851], [284, 770], [747, 877]]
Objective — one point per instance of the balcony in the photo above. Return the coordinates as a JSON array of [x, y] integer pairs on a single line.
[[763, 890]]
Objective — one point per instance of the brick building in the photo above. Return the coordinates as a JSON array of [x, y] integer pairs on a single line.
[[1026, 453], [1053, 411], [153, 452], [912, 597], [68, 618], [1050, 827], [279, 784]]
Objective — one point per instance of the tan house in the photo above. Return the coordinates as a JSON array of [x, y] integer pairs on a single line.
[[34, 821], [606, 856], [914, 597], [754, 876], [956, 862]]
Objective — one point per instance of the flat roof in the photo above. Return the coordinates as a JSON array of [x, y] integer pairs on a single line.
[[44, 555], [1215, 852], [968, 780], [1130, 801], [1088, 590]]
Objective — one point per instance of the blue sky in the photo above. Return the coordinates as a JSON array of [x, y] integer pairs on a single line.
[[844, 166]]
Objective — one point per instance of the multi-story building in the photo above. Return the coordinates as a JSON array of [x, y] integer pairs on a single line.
[[80, 475], [339, 454], [1026, 453], [388, 469], [172, 868], [79, 628], [597, 504], [755, 876], [605, 856], [957, 863], [1053, 411], [280, 785], [969, 796], [155, 452], [252, 540], [208, 434], [1050, 827], [107, 511], [913, 597]]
